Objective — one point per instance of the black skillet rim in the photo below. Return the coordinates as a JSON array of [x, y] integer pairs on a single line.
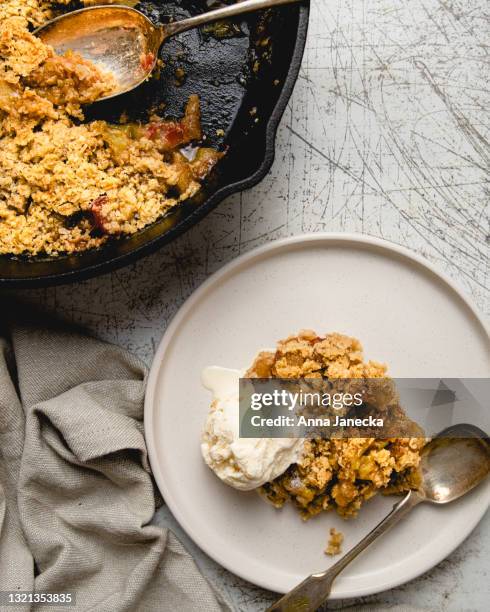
[[122, 260]]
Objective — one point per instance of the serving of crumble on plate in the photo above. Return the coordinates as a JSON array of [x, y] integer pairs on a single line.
[[339, 474], [402, 310]]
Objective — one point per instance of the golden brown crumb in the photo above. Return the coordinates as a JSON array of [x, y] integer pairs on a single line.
[[334, 545], [67, 186], [339, 474]]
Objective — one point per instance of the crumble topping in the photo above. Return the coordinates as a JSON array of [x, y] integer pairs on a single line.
[[65, 185], [339, 474], [334, 545]]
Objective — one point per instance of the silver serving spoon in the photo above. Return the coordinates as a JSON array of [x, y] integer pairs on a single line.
[[121, 40], [452, 464]]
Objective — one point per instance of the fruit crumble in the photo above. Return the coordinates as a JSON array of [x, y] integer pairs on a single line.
[[67, 185], [338, 473]]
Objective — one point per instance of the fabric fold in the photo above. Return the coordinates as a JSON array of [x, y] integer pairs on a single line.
[[76, 493]]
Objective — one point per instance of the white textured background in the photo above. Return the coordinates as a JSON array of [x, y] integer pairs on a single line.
[[387, 134]]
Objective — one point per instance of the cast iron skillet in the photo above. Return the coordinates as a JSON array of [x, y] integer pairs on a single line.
[[244, 82]]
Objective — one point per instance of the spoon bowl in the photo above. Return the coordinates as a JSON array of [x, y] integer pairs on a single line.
[[125, 43], [117, 39], [453, 463]]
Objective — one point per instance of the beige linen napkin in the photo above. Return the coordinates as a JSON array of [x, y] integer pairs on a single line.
[[76, 495]]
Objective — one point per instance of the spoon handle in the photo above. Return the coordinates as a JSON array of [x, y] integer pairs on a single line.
[[309, 595], [247, 6]]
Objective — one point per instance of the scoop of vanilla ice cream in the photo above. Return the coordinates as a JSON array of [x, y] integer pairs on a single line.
[[242, 463]]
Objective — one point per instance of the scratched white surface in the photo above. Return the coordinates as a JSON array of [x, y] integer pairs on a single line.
[[386, 134]]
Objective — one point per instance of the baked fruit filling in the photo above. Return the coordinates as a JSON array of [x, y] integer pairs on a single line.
[[343, 473]]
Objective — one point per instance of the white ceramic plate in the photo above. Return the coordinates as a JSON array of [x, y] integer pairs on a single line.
[[403, 312]]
